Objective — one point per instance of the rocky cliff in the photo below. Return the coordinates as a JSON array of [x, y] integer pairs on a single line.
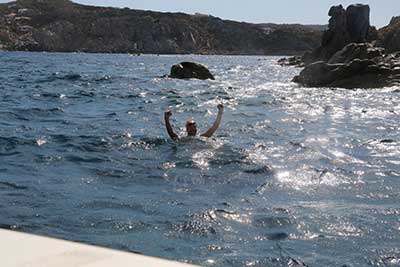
[[61, 25], [351, 25], [352, 53], [389, 36]]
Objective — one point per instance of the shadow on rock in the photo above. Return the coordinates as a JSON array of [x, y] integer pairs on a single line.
[[349, 56], [190, 70]]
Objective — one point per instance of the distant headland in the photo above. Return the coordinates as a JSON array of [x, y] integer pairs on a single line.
[[64, 26]]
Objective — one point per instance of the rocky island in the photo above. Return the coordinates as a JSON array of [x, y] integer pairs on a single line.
[[64, 26], [352, 54]]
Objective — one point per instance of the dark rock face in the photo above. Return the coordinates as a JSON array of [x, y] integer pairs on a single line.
[[189, 70], [336, 36], [389, 36], [345, 26], [64, 26], [357, 51], [346, 59], [355, 66], [291, 61], [351, 25], [394, 20], [358, 22]]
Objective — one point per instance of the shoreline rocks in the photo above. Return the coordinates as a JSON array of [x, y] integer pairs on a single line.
[[355, 66], [389, 36], [296, 61], [357, 51], [351, 25], [349, 57], [355, 74]]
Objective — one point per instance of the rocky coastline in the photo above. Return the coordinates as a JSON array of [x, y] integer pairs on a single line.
[[64, 26], [352, 54]]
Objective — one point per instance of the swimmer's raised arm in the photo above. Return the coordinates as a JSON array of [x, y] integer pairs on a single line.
[[167, 116], [217, 122]]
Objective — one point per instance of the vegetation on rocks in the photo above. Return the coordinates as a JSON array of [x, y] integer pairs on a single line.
[[64, 26]]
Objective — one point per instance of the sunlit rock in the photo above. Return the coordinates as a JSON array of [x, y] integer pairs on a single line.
[[389, 36], [346, 58]]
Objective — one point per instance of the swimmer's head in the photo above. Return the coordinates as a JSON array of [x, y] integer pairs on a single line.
[[191, 128]]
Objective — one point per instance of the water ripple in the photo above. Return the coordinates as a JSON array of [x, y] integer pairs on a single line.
[[293, 177]]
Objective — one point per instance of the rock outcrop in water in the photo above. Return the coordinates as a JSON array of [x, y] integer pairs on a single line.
[[189, 70], [355, 66], [349, 56], [345, 26], [63, 26]]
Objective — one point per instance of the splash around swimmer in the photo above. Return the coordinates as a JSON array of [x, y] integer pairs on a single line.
[[191, 127]]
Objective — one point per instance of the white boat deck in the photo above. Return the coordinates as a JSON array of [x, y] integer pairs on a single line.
[[26, 250]]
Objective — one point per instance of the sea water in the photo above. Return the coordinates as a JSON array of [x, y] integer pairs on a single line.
[[293, 177]]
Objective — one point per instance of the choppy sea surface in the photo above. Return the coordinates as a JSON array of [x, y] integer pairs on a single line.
[[293, 177]]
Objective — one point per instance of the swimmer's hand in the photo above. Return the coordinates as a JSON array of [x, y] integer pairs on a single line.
[[168, 114], [220, 107]]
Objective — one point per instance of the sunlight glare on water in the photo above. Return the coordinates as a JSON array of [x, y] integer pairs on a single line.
[[293, 177]]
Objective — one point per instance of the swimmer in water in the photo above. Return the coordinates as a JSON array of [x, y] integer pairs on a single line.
[[191, 128]]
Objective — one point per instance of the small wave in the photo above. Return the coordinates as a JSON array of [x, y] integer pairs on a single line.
[[221, 161], [101, 204], [8, 226], [114, 173], [61, 138], [39, 112], [199, 224], [11, 116], [387, 141], [277, 236], [254, 169], [80, 93], [128, 96], [86, 93], [308, 178], [271, 221], [12, 186], [283, 261], [41, 141], [52, 95], [74, 77], [47, 158], [103, 78], [154, 141], [78, 159], [82, 143], [56, 76], [13, 153], [70, 77], [7, 144], [118, 225], [87, 143], [126, 142], [386, 261], [130, 226], [230, 216]]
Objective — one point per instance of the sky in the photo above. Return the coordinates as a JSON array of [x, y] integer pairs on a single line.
[[259, 11]]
